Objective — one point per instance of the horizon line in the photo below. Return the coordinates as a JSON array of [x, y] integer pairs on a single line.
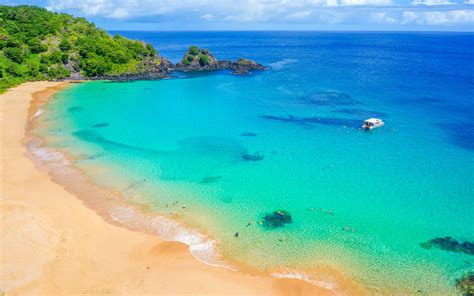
[[290, 30]]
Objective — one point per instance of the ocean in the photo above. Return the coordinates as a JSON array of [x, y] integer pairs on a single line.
[[227, 157]]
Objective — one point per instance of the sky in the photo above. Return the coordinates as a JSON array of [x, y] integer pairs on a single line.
[[218, 15]]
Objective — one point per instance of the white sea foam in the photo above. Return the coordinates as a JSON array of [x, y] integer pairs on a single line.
[[326, 284], [201, 247], [49, 155], [282, 64], [39, 112]]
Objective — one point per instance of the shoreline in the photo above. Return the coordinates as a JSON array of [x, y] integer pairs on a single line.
[[77, 240]]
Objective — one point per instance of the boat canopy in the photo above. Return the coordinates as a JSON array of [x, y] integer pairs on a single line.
[[373, 120]]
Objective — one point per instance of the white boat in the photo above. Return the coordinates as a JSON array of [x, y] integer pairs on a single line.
[[372, 123]]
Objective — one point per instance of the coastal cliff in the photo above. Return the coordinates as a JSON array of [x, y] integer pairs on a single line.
[[36, 44]]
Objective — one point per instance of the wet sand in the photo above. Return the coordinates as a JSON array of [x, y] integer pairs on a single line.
[[53, 244]]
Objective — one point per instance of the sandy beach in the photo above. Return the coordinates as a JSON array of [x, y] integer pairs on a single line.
[[52, 244]]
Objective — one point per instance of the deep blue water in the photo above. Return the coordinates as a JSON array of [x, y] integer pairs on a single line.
[[382, 193], [426, 70]]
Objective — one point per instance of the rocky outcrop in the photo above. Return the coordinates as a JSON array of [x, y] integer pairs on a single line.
[[466, 284], [194, 60], [197, 59]]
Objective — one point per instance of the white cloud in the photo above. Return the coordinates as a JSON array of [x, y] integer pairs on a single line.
[[245, 10], [432, 2], [299, 15], [301, 12], [383, 18], [365, 2], [207, 16], [451, 17]]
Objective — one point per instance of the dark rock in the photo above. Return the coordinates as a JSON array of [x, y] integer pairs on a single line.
[[276, 219], [100, 125], [252, 156], [449, 244], [236, 234], [466, 284], [197, 59]]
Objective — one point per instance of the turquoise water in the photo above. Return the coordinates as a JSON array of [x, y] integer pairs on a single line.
[[361, 202]]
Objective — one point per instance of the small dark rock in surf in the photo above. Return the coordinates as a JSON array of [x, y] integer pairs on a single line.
[[466, 284]]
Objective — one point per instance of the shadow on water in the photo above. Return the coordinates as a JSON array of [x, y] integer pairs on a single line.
[[311, 121], [460, 133]]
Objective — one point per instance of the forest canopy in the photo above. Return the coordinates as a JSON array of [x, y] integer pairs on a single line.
[[36, 44]]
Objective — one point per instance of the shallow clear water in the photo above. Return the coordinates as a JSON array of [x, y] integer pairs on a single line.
[[178, 143]]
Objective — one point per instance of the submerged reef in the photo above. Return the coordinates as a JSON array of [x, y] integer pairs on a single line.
[[449, 244], [210, 179], [248, 134], [256, 156], [466, 284], [276, 219], [75, 109], [100, 124], [327, 98], [361, 113]]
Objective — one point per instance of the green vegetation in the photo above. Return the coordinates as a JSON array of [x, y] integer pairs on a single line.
[[197, 56], [194, 50], [244, 62], [36, 44], [203, 60]]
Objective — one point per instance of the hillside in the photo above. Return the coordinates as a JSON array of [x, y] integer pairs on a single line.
[[36, 44]]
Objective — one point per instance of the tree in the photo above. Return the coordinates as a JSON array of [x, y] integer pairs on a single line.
[[15, 54]]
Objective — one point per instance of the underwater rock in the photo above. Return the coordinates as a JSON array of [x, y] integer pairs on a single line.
[[75, 109], [326, 98], [449, 244], [362, 113], [466, 284], [252, 156], [210, 179], [276, 219], [100, 124], [248, 134]]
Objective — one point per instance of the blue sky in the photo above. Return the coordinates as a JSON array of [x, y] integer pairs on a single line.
[[420, 15]]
